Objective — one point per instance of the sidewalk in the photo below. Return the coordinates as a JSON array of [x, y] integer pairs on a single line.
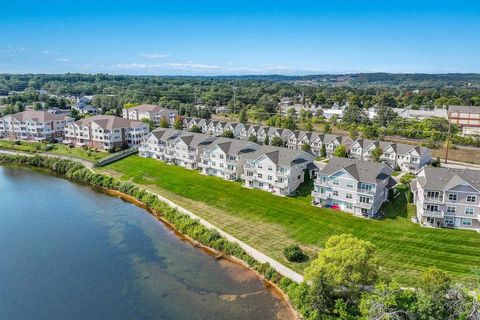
[[86, 163]]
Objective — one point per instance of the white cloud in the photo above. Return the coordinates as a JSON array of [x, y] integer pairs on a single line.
[[154, 55], [63, 60], [50, 52], [11, 50]]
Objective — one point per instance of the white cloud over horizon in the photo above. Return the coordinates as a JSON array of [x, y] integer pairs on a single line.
[[154, 55]]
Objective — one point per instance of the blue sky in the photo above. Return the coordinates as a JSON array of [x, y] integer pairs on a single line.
[[239, 37]]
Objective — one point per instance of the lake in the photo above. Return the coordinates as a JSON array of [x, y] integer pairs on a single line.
[[70, 252]]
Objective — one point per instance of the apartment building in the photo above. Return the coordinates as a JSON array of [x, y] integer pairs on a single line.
[[105, 132], [154, 145], [275, 169], [225, 158], [447, 197], [355, 186], [150, 112], [34, 125], [467, 117]]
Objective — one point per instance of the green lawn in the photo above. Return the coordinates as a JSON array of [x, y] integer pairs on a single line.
[[270, 223], [57, 148]]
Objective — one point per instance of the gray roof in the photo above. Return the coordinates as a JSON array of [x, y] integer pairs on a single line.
[[281, 156], [464, 109], [446, 178], [234, 146], [166, 134], [364, 171]]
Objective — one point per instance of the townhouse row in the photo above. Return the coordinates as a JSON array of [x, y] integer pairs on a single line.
[[405, 157], [274, 169], [447, 197], [34, 125]]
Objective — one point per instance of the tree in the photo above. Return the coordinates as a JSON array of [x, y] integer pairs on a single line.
[[150, 123], [385, 116], [308, 125], [323, 151], [266, 141], [196, 129], [432, 289], [37, 106], [252, 138], [340, 151], [327, 128], [74, 114], [306, 147], [242, 117], [228, 134], [376, 154], [277, 142], [290, 123], [178, 123], [353, 114], [164, 122], [387, 301], [294, 253], [342, 270]]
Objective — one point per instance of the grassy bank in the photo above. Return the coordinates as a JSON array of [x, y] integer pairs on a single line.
[[270, 223], [89, 154]]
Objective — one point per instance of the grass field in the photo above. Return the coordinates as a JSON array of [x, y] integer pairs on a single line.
[[57, 148], [270, 223]]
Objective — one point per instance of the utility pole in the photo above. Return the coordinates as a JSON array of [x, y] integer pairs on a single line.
[[234, 99], [448, 136]]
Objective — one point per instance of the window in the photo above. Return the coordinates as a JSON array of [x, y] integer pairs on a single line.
[[471, 198], [451, 209], [350, 185], [449, 220], [221, 156], [466, 222], [433, 194], [364, 199], [469, 211], [260, 175], [260, 184], [432, 208], [269, 177], [348, 196], [270, 169], [335, 182], [348, 205], [335, 193], [452, 197]]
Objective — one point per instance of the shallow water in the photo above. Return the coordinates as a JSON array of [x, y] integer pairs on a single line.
[[69, 252]]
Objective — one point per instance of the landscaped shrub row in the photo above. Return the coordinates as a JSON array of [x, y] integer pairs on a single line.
[[192, 228]]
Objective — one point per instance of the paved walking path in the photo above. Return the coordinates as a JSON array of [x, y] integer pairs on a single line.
[[257, 255], [460, 165]]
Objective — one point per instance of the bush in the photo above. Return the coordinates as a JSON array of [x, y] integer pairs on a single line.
[[48, 147], [293, 253]]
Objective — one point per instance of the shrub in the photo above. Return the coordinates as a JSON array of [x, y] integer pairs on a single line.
[[48, 147], [294, 253]]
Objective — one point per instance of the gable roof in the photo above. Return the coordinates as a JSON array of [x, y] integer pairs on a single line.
[[281, 156], [38, 116], [110, 122], [362, 171], [445, 178]]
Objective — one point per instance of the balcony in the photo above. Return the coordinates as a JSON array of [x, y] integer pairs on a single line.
[[247, 177], [366, 191], [433, 214], [363, 205], [433, 199], [319, 195]]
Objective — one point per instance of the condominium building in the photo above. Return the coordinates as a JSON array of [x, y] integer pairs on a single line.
[[105, 132], [405, 157], [355, 186], [275, 169], [34, 125], [225, 158], [150, 112], [447, 197]]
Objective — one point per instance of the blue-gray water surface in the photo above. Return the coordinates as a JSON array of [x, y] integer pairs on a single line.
[[69, 252]]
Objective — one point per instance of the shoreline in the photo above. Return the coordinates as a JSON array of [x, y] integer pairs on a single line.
[[271, 286], [218, 255]]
